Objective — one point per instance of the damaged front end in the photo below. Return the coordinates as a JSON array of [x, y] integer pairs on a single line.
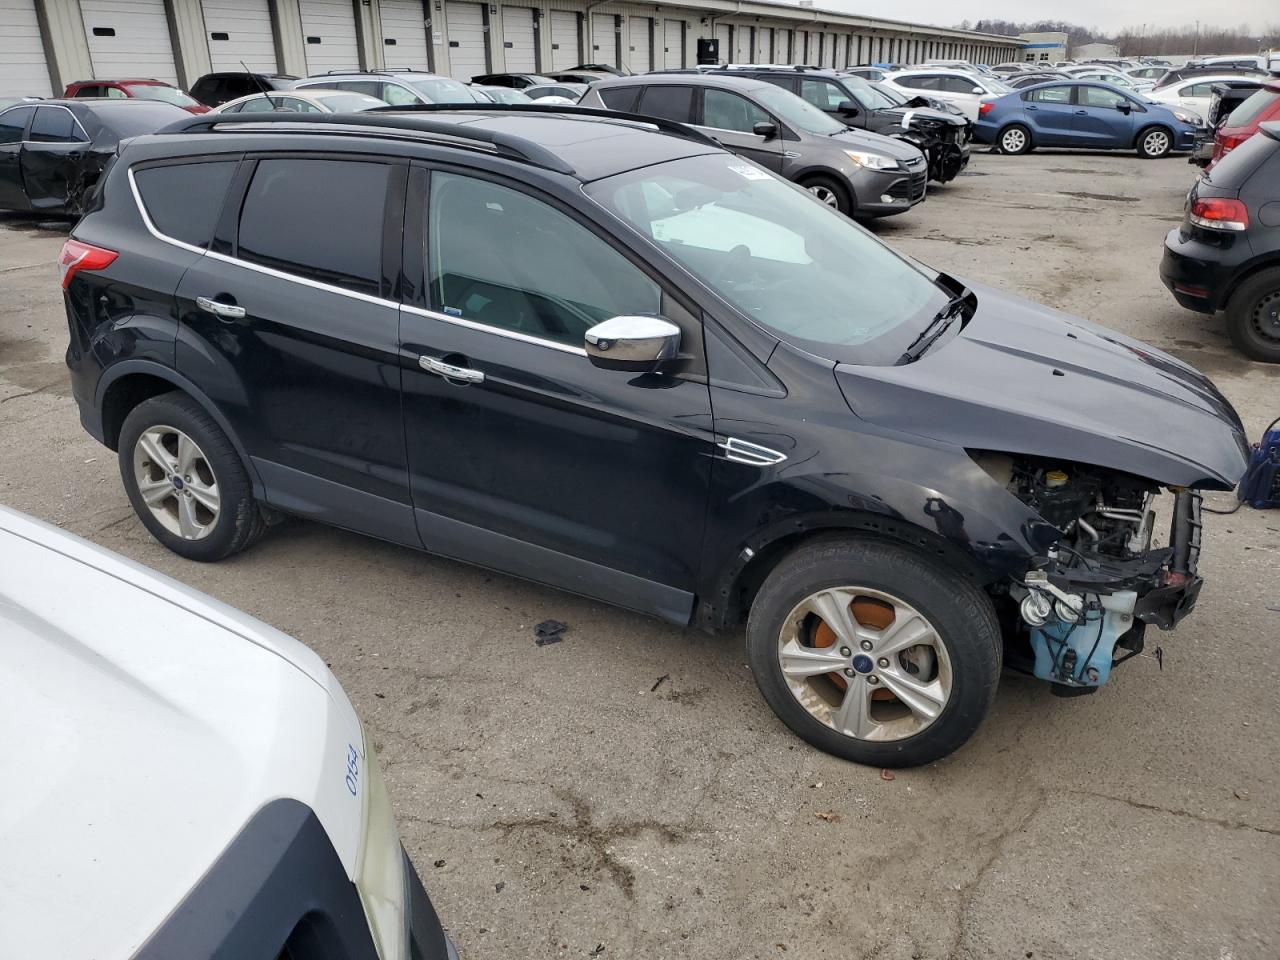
[[1083, 606], [943, 143]]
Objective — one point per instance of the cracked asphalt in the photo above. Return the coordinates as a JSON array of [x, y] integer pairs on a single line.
[[558, 805]]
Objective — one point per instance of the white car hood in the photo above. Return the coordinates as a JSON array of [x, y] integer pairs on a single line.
[[144, 725]]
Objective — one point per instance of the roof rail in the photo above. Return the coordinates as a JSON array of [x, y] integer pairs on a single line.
[[682, 130], [504, 144]]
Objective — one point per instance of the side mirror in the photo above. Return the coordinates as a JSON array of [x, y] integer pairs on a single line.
[[848, 108], [766, 129], [977, 90], [632, 343], [1124, 106]]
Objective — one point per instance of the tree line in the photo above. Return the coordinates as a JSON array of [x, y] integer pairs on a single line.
[[1147, 40]]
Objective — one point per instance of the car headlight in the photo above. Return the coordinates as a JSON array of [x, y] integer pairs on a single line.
[[1187, 116], [380, 877], [873, 161]]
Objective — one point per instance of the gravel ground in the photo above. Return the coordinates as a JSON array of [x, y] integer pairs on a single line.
[[560, 802]]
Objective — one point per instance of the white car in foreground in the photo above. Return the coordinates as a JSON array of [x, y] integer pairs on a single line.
[[192, 782]]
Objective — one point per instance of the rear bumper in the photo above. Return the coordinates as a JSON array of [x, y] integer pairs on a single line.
[[1202, 150], [1194, 272], [427, 939]]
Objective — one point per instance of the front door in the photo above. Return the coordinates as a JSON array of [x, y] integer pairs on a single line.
[[523, 456], [828, 97], [1103, 117], [293, 336], [731, 119]]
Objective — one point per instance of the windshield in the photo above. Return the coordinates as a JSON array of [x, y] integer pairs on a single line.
[[787, 261], [128, 118], [155, 91], [890, 94], [445, 90], [993, 85], [506, 95], [795, 112], [350, 102], [867, 95]]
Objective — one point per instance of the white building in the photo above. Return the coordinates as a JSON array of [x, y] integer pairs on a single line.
[[1043, 47], [45, 44]]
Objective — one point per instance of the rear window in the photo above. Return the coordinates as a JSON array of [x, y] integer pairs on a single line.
[[133, 118], [1253, 108], [184, 200], [338, 241], [1241, 164], [670, 103]]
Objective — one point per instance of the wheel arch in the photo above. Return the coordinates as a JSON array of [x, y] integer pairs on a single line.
[[131, 382], [740, 579], [1246, 273], [835, 176]]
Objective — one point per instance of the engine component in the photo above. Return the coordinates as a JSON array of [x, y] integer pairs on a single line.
[[1079, 653]]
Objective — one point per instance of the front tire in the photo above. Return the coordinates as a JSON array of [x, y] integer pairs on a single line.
[[1154, 143], [831, 193], [872, 652], [1014, 139], [1253, 316], [185, 479]]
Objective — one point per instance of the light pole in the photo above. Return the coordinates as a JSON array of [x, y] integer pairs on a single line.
[[1195, 43]]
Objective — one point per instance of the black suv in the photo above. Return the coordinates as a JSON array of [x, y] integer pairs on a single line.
[[1226, 253], [600, 352], [942, 137], [215, 89]]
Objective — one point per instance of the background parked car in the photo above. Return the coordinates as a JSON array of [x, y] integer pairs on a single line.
[[1197, 94], [1030, 79], [1112, 77], [503, 94], [1152, 73], [568, 92], [400, 88], [52, 152], [875, 74], [10, 101], [1190, 73], [135, 89], [965, 90], [1084, 114], [861, 174], [303, 101], [1243, 122], [517, 81], [253, 801], [1226, 254], [215, 89], [900, 99]]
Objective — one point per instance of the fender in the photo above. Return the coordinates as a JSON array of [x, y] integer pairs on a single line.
[[125, 368], [1261, 262]]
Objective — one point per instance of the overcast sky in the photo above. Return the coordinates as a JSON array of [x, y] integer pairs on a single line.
[[1106, 15]]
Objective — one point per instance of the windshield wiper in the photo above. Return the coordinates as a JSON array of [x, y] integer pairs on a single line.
[[935, 329]]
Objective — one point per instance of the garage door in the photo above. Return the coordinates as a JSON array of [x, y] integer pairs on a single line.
[[239, 30], [23, 71], [519, 45], [741, 45], [673, 43], [128, 38], [404, 35], [764, 45], [564, 40], [725, 36], [604, 39], [466, 40], [641, 45], [329, 35], [782, 46]]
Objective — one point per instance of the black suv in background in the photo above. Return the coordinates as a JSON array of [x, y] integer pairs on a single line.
[[1226, 253], [215, 89], [600, 352]]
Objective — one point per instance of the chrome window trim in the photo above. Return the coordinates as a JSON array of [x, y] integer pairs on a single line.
[[56, 106], [341, 291]]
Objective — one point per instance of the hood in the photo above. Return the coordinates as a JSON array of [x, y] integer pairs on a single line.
[[149, 723], [905, 115], [875, 143], [1023, 378]]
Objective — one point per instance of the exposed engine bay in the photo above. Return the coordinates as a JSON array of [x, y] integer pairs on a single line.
[[1105, 580]]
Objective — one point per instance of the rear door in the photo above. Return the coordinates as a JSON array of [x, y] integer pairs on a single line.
[[13, 128], [288, 327], [731, 119], [1103, 117], [537, 462], [1050, 114], [53, 159]]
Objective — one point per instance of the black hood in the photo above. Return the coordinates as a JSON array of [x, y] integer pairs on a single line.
[[1023, 378]]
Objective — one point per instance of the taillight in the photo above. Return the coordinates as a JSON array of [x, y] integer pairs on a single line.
[[1218, 213], [78, 256], [1227, 144], [985, 108]]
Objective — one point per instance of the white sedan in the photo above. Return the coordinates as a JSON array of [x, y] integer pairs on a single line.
[[1113, 77], [965, 90], [303, 101], [1196, 93]]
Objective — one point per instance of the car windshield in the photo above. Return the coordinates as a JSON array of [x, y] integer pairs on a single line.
[[155, 91], [129, 118], [890, 94], [994, 86], [782, 258], [867, 95], [506, 95], [445, 90], [798, 113], [350, 102]]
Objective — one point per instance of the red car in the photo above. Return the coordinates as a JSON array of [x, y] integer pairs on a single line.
[[1245, 119], [136, 89]]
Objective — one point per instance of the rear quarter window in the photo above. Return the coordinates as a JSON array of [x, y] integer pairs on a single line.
[[184, 200], [669, 103], [621, 98]]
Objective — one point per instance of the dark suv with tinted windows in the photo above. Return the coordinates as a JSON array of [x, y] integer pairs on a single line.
[[600, 352]]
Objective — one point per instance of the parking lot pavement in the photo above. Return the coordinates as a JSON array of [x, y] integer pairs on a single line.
[[560, 801]]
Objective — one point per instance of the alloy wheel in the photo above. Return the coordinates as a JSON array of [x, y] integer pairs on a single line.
[[1013, 141], [826, 195], [176, 482], [1155, 143], [865, 663]]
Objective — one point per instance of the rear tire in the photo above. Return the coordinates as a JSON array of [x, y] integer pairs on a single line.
[[1253, 316], [830, 192], [185, 480], [1014, 139], [1154, 143], [962, 648]]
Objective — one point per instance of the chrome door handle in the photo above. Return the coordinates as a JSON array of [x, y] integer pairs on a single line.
[[227, 311], [450, 371]]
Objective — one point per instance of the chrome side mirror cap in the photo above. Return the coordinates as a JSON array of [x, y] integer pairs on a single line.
[[632, 343]]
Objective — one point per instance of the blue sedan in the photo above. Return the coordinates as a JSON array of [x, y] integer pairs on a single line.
[[1084, 114]]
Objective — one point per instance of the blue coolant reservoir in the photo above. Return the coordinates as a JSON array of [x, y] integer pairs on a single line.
[[1080, 655]]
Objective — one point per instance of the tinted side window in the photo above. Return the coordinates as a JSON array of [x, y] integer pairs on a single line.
[[671, 103], [621, 98], [728, 111], [502, 258], [955, 85], [286, 225], [13, 122], [919, 82], [92, 90], [184, 200], [55, 125]]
